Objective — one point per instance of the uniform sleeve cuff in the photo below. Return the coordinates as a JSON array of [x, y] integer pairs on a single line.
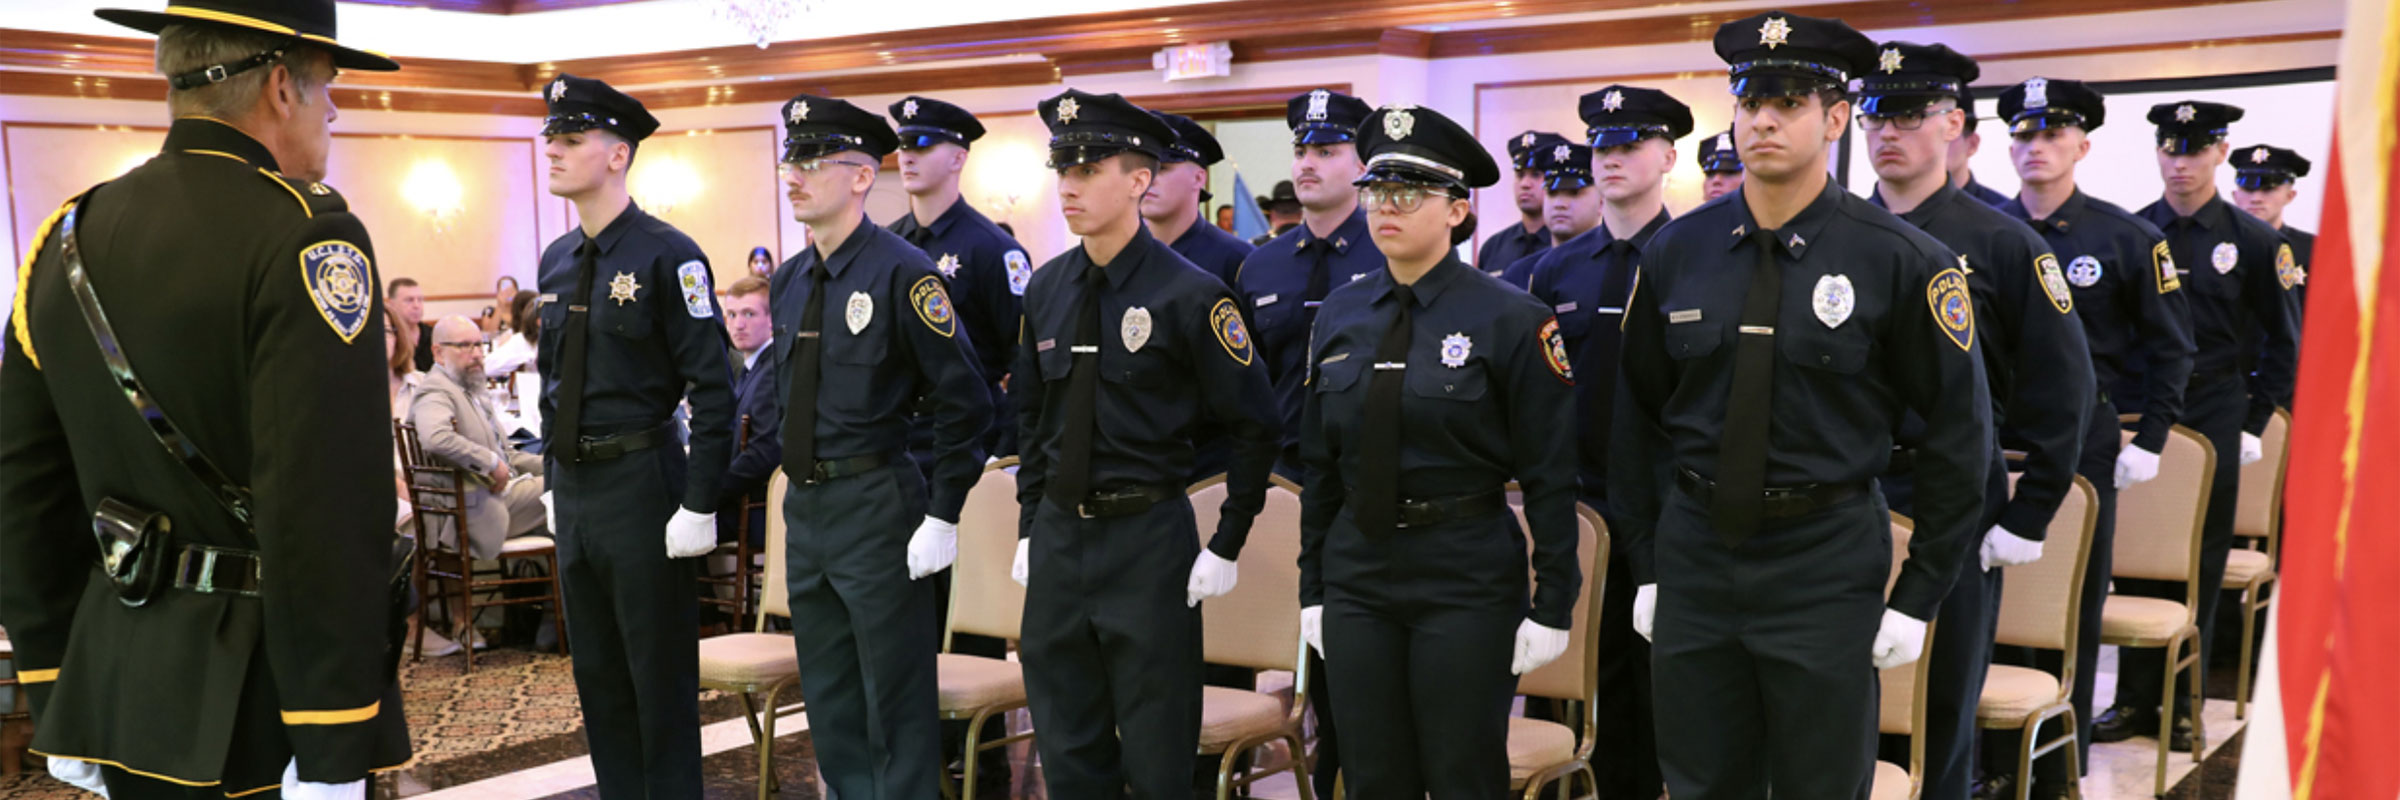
[[2025, 522]]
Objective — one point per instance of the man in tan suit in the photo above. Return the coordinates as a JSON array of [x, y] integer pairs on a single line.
[[456, 425]]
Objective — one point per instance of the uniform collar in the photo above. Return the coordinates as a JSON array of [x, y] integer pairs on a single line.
[[608, 237], [2211, 216], [217, 137], [1932, 207], [847, 251], [1345, 236], [1430, 285], [949, 218], [1797, 235], [1121, 272], [1193, 234], [1639, 238], [2060, 220]]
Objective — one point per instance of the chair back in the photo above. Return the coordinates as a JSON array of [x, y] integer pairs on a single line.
[[2159, 521], [2258, 512], [2040, 605], [774, 595], [1257, 625], [1901, 705], [983, 599], [1573, 675], [430, 498]]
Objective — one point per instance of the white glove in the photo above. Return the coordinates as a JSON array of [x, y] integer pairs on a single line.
[[1899, 641], [691, 533], [83, 775], [296, 789], [1312, 628], [1645, 610], [550, 512], [933, 548], [1537, 644], [2004, 549], [1212, 575], [2135, 465], [2252, 449], [1016, 569]]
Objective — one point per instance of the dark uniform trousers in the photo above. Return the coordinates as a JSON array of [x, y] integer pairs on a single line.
[[870, 683], [1779, 630], [632, 618], [2213, 405], [1108, 636]]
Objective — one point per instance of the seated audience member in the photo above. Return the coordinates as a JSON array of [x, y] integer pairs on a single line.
[[399, 347], [762, 263], [457, 426], [757, 394], [405, 298], [515, 349], [495, 319]]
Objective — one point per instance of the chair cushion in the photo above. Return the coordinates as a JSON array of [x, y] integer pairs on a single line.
[[972, 682], [1231, 715], [2243, 565], [748, 658], [527, 545], [2012, 693], [1535, 745], [2126, 620], [1891, 782]]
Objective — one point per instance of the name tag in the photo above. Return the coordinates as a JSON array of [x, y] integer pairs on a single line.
[[1268, 300], [1563, 308], [1333, 358], [1045, 345], [1686, 315], [548, 298], [1084, 348], [1608, 310]]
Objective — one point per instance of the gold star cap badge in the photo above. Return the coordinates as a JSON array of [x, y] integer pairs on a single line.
[[558, 90], [1613, 100], [2186, 113], [799, 112], [2258, 156], [1775, 32], [1891, 60], [908, 109], [1067, 109]]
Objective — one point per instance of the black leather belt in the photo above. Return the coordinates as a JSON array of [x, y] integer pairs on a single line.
[[603, 448], [1904, 461], [217, 570], [1123, 501], [839, 468], [1779, 502], [1427, 512]]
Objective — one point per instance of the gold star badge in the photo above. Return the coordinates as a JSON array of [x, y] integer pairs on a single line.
[[1612, 101], [1891, 60], [1527, 141], [799, 112], [558, 90], [2185, 113], [2258, 156], [1775, 33], [908, 109], [622, 287], [1067, 109]]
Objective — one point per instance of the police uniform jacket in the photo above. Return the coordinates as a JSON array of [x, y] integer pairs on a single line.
[[1213, 250], [986, 272], [1905, 339], [1509, 245], [2130, 302], [1272, 287], [2239, 273], [1586, 282], [247, 304]]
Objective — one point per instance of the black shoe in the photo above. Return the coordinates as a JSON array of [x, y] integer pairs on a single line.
[[2120, 723], [1996, 787], [2181, 740]]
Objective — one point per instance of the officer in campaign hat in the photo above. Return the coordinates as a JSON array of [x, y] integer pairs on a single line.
[[1530, 236], [864, 621], [1776, 339], [2035, 361], [1720, 164], [2265, 180], [1174, 204], [629, 332], [1127, 347], [1413, 572], [230, 630]]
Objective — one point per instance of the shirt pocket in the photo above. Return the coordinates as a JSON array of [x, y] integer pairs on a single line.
[[1338, 376], [1055, 362], [1690, 340], [630, 319], [1148, 368], [1466, 382], [863, 349], [1836, 351]]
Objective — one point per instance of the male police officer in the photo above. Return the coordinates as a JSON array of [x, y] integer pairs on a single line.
[[862, 617], [1529, 237], [1172, 208], [1586, 282], [1570, 204], [1113, 565], [2131, 306], [2265, 178], [252, 645], [1769, 353], [1722, 165], [630, 324], [2035, 360], [2241, 274], [982, 265]]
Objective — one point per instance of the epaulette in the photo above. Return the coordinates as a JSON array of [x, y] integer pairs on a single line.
[[41, 236], [314, 197]]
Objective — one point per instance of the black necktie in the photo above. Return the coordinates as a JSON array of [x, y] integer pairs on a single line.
[[800, 450], [1317, 282], [1379, 434], [565, 432], [1596, 360], [918, 235], [1742, 457], [1072, 481]]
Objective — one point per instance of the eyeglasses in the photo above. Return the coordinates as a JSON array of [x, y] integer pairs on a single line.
[[459, 345], [811, 166], [1401, 197], [1908, 122]]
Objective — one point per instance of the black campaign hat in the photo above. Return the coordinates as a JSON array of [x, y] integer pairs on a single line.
[[1087, 127], [1412, 144], [1718, 155], [1522, 147], [1620, 115], [2040, 103], [581, 104], [1282, 195], [925, 122], [2189, 125], [1908, 76], [308, 22], [816, 127], [2266, 166], [1324, 116], [1191, 143], [1565, 165], [1778, 54]]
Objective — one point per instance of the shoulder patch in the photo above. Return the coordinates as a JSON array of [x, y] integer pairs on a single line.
[[16, 315], [1020, 271], [2163, 263], [693, 279], [339, 284], [932, 303], [1953, 312], [2054, 282], [1554, 351], [1226, 320], [2287, 269]]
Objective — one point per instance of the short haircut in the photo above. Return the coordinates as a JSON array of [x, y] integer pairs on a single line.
[[397, 284], [190, 48], [1131, 160], [747, 285]]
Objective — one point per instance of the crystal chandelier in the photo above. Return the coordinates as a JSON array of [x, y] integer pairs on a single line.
[[760, 18]]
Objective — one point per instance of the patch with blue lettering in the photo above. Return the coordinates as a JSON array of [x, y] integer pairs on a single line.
[[933, 305], [340, 283]]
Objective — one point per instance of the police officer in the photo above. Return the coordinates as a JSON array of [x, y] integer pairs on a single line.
[[262, 656], [1173, 206], [2265, 179], [1412, 569], [1126, 347], [1721, 165], [2241, 273], [2035, 362], [863, 618], [628, 323], [1770, 350], [1530, 236], [2130, 302], [1570, 205], [982, 265], [1586, 282]]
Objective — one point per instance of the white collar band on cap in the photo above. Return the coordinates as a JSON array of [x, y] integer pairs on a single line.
[[1420, 162]]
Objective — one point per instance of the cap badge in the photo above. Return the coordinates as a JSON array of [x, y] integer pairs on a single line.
[[1612, 101], [1067, 109], [1316, 104], [908, 109], [1891, 60], [1725, 141], [1559, 153], [558, 90], [1397, 123], [1527, 141], [1775, 33], [799, 112], [2037, 93], [2185, 113], [2258, 156]]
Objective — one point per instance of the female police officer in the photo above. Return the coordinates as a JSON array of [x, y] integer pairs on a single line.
[[1407, 539]]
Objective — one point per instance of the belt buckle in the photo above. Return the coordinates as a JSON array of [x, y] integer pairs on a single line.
[[208, 572], [1083, 509]]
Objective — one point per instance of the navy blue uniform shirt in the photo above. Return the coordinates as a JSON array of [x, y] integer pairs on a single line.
[[1173, 349], [1977, 190], [758, 394], [654, 329], [890, 336], [2238, 273], [1872, 321], [1273, 287], [1586, 282], [986, 272], [1510, 244], [2130, 302], [1213, 250]]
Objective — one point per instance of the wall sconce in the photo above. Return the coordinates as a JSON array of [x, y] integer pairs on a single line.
[[665, 183], [1006, 174], [433, 190]]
